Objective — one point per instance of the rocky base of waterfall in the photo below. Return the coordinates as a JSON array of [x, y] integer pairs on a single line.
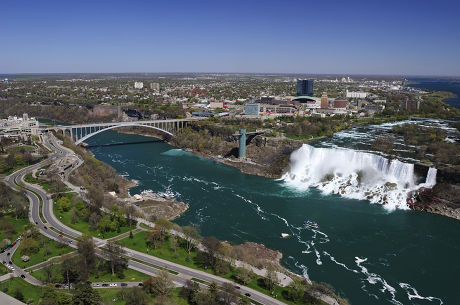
[[446, 203]]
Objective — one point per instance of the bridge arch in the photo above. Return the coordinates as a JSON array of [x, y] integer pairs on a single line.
[[86, 137]]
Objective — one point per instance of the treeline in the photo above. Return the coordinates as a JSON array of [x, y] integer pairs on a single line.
[[16, 159], [220, 257], [312, 127], [96, 176], [12, 202], [430, 143]]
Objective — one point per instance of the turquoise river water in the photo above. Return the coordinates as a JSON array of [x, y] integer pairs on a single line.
[[371, 255]]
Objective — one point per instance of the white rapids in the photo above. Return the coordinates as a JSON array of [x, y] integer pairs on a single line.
[[355, 174]]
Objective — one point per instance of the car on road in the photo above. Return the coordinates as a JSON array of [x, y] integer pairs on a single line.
[[44, 227], [23, 276], [140, 284], [96, 285], [11, 262], [60, 235], [8, 254], [105, 285], [113, 285], [124, 284], [237, 287], [36, 222], [247, 294]]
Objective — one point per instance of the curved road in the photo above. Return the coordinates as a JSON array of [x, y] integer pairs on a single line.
[[139, 261]]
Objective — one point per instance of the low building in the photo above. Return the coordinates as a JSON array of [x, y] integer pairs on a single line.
[[16, 126], [340, 103], [252, 109], [216, 105], [356, 94]]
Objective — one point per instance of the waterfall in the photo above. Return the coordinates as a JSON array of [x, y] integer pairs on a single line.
[[354, 174], [431, 177]]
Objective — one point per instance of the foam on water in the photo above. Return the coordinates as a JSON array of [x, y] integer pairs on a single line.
[[354, 174]]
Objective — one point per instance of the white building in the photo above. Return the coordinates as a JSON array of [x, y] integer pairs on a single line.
[[138, 85], [353, 94]]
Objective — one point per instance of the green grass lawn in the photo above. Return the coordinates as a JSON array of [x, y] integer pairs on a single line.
[[29, 291], [83, 226], [130, 275], [20, 225], [43, 183], [21, 147], [49, 250], [110, 294]]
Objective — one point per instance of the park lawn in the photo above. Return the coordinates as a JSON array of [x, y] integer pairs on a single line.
[[40, 256], [130, 275], [43, 183], [3, 270], [110, 294], [19, 148], [163, 251], [83, 226], [29, 291], [20, 225]]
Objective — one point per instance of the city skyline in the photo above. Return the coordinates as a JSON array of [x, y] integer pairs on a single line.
[[293, 37]]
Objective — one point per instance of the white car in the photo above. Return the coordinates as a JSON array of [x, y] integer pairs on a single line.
[[113, 285]]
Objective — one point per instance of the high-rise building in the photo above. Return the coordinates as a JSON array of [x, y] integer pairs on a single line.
[[305, 87], [324, 100], [138, 85]]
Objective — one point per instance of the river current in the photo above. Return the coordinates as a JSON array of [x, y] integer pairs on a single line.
[[369, 253]]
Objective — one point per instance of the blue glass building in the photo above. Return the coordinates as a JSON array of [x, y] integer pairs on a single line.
[[305, 87]]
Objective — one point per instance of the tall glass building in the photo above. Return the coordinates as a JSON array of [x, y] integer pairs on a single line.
[[305, 87]]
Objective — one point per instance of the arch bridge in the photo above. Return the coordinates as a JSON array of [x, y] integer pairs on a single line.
[[82, 132]]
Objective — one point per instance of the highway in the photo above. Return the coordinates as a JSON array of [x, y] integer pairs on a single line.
[[139, 261]]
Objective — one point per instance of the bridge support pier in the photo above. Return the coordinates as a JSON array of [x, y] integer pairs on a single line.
[[242, 144]]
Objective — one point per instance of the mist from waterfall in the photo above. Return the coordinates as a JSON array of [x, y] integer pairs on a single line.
[[355, 174]]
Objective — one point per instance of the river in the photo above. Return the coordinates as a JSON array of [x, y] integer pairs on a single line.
[[370, 254]]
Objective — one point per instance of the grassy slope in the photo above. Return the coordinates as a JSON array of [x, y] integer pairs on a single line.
[[39, 257]]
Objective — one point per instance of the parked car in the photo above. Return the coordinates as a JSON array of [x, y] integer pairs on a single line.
[[247, 294], [124, 284]]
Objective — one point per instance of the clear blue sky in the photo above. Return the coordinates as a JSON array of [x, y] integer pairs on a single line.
[[344, 37]]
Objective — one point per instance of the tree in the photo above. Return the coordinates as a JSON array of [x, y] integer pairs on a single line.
[[87, 253], [48, 269], [192, 238], [136, 296], [115, 253], [295, 291], [189, 290], [243, 275], [159, 285], [154, 237], [204, 298], [69, 269], [93, 220], [18, 295], [212, 246], [228, 294], [271, 278], [130, 212], [29, 246], [49, 296], [84, 294]]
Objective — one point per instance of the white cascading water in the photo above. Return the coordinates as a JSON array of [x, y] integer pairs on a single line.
[[354, 174]]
